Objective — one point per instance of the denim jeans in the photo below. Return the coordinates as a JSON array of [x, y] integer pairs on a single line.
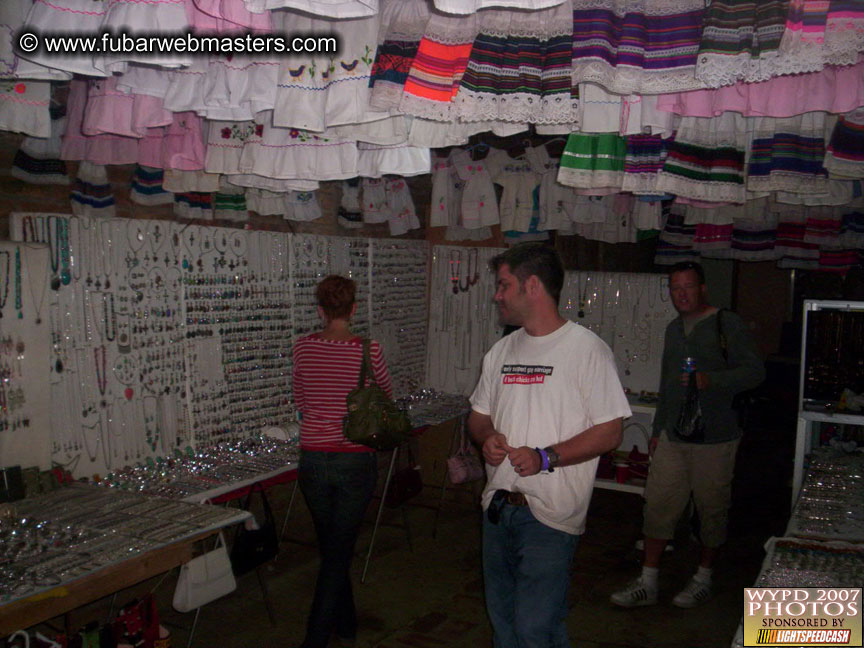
[[526, 569], [337, 487]]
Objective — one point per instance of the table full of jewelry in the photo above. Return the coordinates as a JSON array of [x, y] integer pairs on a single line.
[[824, 542], [70, 536], [164, 337]]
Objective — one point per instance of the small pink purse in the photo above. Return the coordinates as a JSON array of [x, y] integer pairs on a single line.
[[465, 464]]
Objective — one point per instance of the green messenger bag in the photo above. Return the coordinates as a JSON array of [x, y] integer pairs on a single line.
[[373, 419]]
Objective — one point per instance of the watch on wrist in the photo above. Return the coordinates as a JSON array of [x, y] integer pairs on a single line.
[[554, 459]]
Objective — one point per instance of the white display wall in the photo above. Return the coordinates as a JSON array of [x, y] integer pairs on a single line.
[[161, 336], [629, 311], [25, 407], [463, 319]]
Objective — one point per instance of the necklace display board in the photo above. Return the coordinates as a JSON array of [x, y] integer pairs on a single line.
[[629, 311], [398, 309], [24, 324], [165, 337], [463, 319]]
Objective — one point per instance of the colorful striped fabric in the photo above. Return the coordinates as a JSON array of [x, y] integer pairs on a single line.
[[402, 27], [392, 63], [851, 233], [675, 242], [806, 20], [839, 260], [791, 248], [820, 33], [788, 154], [519, 69], [736, 34], [707, 159], [822, 226], [845, 156], [844, 32], [229, 203], [147, 187], [637, 47], [193, 205], [593, 161], [708, 236], [645, 157], [752, 240], [92, 194], [436, 71]]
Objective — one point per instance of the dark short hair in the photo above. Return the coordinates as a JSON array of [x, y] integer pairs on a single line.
[[526, 259], [335, 296], [683, 266]]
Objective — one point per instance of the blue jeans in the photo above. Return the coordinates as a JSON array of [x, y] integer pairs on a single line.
[[526, 569], [337, 487]]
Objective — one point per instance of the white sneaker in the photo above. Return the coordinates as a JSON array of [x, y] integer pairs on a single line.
[[636, 594], [695, 593]]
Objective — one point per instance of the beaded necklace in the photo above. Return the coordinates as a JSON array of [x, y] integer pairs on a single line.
[[455, 258], [470, 278], [37, 303], [19, 306], [63, 246], [99, 357], [5, 294], [110, 317]]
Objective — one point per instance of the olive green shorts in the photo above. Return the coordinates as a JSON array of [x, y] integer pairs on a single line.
[[679, 469]]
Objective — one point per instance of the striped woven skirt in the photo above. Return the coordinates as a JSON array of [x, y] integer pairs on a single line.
[[519, 68], [636, 46]]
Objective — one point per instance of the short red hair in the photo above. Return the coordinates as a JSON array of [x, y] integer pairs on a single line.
[[335, 295]]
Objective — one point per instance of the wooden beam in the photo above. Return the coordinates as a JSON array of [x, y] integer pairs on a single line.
[[27, 612]]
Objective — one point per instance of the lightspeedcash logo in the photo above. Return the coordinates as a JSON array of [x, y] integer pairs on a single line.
[[802, 616]]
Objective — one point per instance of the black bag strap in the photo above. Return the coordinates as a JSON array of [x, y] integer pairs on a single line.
[[366, 365], [721, 337], [268, 512]]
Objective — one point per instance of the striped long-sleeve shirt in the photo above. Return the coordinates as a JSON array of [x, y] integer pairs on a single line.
[[324, 372]]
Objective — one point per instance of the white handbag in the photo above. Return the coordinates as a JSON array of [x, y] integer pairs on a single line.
[[204, 579]]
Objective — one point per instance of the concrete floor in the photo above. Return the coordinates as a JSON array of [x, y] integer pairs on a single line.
[[432, 596]]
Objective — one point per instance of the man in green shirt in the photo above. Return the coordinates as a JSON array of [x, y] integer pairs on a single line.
[[726, 362]]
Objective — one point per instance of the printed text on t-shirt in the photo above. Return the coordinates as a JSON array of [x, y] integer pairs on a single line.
[[525, 374]]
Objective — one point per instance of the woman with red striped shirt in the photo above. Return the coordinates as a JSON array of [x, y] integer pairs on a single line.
[[337, 477]]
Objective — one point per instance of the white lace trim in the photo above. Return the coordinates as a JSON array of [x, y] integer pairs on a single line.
[[644, 7], [385, 95], [717, 70], [587, 179], [452, 30], [701, 189], [843, 168], [640, 183], [842, 46], [463, 7], [632, 80], [522, 107], [526, 32], [542, 24], [426, 108], [792, 182]]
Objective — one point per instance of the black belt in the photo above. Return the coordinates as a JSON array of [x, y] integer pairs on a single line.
[[499, 499], [516, 499]]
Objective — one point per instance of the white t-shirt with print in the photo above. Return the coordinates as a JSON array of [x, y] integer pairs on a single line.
[[539, 391]]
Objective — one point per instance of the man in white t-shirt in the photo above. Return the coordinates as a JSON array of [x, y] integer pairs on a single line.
[[548, 403]]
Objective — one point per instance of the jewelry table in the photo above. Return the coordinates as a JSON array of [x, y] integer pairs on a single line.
[[80, 543]]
